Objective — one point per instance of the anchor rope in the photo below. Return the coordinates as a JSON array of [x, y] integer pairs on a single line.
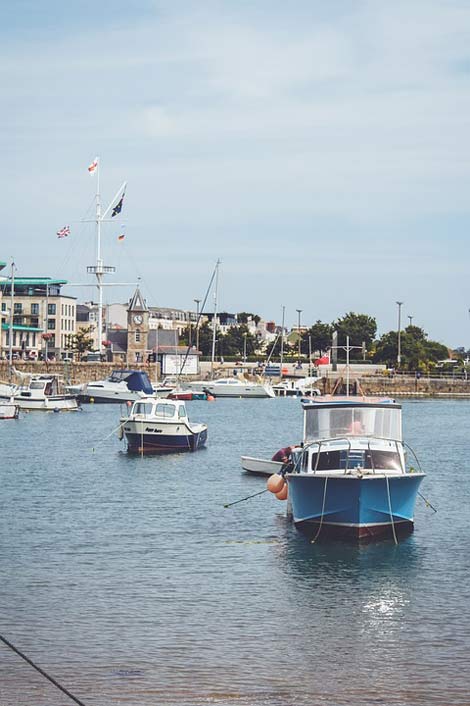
[[41, 671]]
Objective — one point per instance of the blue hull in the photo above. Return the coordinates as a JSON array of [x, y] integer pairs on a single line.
[[353, 506], [161, 443]]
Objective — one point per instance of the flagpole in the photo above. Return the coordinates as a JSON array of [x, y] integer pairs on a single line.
[[99, 261]]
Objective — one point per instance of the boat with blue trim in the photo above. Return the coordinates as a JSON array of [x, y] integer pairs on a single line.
[[120, 386], [351, 476], [161, 425]]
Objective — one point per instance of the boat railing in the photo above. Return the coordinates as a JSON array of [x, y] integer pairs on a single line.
[[301, 458]]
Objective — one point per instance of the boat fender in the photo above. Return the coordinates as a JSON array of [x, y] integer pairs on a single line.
[[282, 495], [120, 432], [275, 483], [210, 398]]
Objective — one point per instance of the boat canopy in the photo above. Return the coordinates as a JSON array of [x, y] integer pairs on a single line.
[[136, 380], [329, 421]]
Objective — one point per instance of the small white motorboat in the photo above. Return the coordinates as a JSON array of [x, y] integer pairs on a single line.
[[232, 387], [161, 425], [42, 392], [260, 466]]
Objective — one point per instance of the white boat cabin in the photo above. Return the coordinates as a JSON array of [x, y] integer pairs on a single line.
[[158, 409], [344, 435]]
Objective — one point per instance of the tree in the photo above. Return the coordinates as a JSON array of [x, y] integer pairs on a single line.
[[359, 328], [82, 341], [417, 353], [244, 316], [320, 338]]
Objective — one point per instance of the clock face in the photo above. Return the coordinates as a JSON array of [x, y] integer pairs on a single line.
[[138, 318]]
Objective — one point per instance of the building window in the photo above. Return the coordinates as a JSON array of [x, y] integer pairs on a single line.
[[17, 308], [51, 324], [4, 306], [35, 309], [51, 309], [137, 336]]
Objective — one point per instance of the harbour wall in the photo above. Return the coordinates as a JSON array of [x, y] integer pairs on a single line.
[[375, 384]]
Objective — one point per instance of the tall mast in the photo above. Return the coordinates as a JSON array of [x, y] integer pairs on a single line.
[[282, 338], [12, 301], [214, 322], [100, 269]]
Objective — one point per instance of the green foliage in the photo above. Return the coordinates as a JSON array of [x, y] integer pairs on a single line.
[[320, 338], [359, 328], [233, 342], [417, 353], [82, 341], [244, 316]]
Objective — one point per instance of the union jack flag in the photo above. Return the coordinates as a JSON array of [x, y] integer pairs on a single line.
[[63, 232]]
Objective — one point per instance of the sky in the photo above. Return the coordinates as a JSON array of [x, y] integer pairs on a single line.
[[319, 150]]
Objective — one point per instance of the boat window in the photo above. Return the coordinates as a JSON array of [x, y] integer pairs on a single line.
[[182, 412], [39, 385], [165, 410], [333, 422], [379, 460], [143, 408]]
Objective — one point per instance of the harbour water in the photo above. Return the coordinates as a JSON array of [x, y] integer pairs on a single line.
[[128, 581]]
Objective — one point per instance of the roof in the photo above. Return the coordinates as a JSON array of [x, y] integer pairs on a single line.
[[17, 327], [137, 302], [36, 280]]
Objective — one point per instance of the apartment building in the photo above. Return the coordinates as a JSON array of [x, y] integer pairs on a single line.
[[40, 318]]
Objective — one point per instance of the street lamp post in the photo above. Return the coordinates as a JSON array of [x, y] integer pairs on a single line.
[[244, 347], [399, 304], [299, 311], [197, 302]]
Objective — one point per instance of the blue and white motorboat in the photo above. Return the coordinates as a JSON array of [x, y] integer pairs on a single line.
[[120, 386], [161, 425], [351, 477]]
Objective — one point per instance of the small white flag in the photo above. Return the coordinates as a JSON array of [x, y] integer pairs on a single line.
[[63, 232], [93, 166]]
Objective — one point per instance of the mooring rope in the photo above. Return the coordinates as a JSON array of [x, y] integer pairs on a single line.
[[390, 509], [41, 671], [322, 513]]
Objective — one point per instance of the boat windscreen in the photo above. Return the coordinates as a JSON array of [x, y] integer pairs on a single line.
[[338, 422], [142, 408]]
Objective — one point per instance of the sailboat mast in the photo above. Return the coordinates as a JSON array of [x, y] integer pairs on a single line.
[[282, 338], [12, 301], [214, 322]]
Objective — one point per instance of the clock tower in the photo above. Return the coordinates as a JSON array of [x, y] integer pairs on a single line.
[[137, 329]]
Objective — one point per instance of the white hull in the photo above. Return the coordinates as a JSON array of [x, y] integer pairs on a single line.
[[63, 403], [260, 466], [232, 389], [8, 410]]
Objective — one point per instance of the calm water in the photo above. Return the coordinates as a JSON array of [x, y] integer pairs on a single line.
[[128, 581]]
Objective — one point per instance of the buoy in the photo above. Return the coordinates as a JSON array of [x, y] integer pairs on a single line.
[[210, 398], [129, 403], [282, 495], [275, 483]]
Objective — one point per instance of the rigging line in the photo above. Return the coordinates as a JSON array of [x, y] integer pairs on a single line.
[[190, 336], [41, 671]]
